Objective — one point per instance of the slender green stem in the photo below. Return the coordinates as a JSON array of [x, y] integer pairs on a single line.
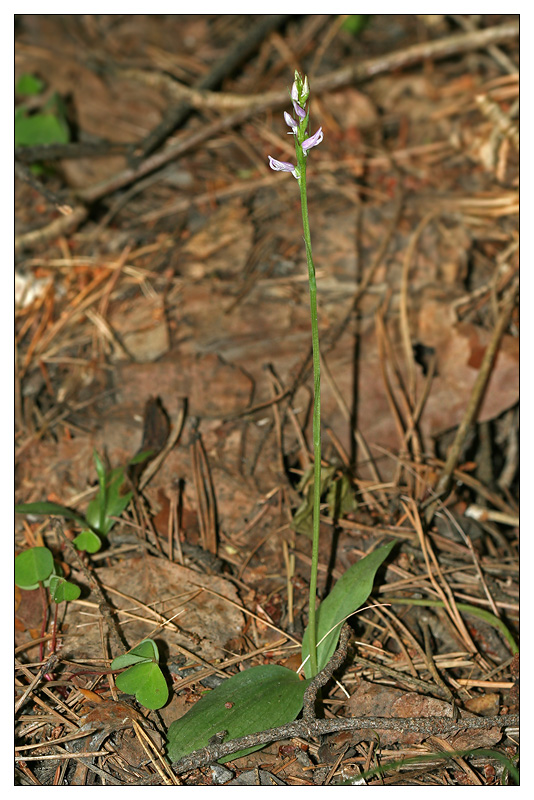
[[312, 625]]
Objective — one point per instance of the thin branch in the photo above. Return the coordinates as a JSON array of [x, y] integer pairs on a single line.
[[366, 727]]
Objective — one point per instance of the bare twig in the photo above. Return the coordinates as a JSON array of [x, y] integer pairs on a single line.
[[322, 677], [251, 106], [103, 605], [246, 46], [366, 726]]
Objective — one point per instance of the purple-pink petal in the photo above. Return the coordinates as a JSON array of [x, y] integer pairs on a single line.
[[281, 166], [299, 111], [290, 121], [314, 140]]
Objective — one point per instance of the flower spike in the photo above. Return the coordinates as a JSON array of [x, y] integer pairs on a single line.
[[298, 122]]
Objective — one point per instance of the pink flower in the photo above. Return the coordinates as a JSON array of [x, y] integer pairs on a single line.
[[313, 141], [282, 166]]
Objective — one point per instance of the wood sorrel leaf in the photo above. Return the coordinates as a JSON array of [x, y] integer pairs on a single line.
[[32, 566], [146, 650], [251, 701], [88, 541], [147, 682], [348, 594], [62, 590]]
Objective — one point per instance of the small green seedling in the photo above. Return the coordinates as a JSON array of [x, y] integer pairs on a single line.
[[356, 23], [35, 567], [339, 496], [110, 501], [143, 678], [47, 126]]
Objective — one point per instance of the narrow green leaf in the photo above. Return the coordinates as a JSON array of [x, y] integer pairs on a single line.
[[147, 682], [100, 469], [303, 518], [481, 613], [140, 457], [251, 701], [88, 541], [348, 594], [49, 509], [100, 499], [340, 498], [110, 501], [146, 650], [32, 566], [117, 500], [473, 753]]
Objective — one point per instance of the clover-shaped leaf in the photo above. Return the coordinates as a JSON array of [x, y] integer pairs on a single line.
[[33, 566], [144, 678], [147, 682], [147, 650], [62, 590], [88, 541]]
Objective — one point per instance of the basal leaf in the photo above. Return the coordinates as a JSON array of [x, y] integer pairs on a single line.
[[348, 594], [251, 701], [116, 500], [32, 566], [49, 509], [147, 682]]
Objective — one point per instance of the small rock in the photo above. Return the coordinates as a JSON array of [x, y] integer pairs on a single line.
[[221, 774], [257, 777]]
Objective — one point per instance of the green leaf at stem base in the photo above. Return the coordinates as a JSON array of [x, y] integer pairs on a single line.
[[251, 701], [348, 594]]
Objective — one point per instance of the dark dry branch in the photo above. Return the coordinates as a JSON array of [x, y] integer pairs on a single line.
[[433, 50], [442, 48], [322, 677], [108, 617], [366, 726], [245, 47]]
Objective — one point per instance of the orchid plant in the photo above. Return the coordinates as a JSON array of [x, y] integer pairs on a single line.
[[300, 93], [269, 695]]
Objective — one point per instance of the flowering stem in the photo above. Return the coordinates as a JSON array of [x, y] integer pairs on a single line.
[[312, 626], [303, 143]]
